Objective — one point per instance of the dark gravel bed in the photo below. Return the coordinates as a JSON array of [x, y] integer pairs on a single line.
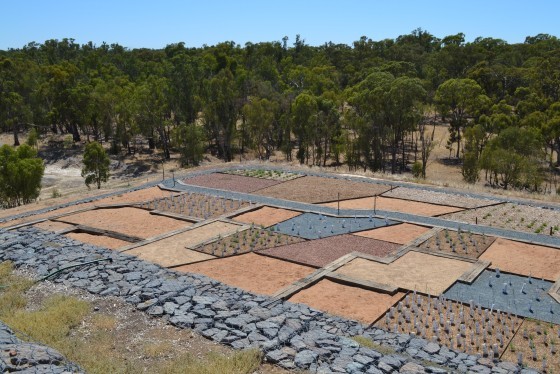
[[316, 226], [321, 252], [488, 291]]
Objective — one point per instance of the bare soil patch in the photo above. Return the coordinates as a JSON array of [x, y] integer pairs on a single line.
[[250, 240], [251, 272], [53, 226], [230, 182], [98, 240], [266, 216], [524, 259], [321, 252], [196, 205], [544, 338], [419, 314], [399, 234], [129, 221], [310, 189], [465, 244], [511, 216], [436, 197], [413, 271], [395, 205], [350, 302], [173, 251]]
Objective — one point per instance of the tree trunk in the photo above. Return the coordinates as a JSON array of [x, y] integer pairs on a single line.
[[16, 137]]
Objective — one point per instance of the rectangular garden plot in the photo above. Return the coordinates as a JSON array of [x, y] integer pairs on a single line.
[[346, 301], [172, 251], [277, 175], [321, 252], [98, 240], [316, 226], [516, 217], [454, 325], [230, 182], [137, 196], [520, 295], [465, 244], [311, 189], [250, 240], [251, 272], [129, 221], [435, 197], [266, 216], [400, 234], [195, 205], [524, 259], [536, 341], [413, 271], [395, 205]]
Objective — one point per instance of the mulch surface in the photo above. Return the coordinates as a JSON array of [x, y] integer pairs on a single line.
[[312, 189], [230, 182], [321, 252]]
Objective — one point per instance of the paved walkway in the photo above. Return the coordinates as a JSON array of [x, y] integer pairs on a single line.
[[397, 216]]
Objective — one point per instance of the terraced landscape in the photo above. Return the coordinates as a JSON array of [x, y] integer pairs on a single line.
[[367, 259]]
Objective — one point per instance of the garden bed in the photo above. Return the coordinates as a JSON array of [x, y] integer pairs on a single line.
[[310, 189], [399, 234], [524, 259], [394, 205], [230, 182], [511, 216], [251, 272], [316, 226], [346, 301], [524, 296], [266, 216], [465, 244], [129, 221], [321, 252], [276, 175], [544, 338], [98, 240], [196, 205], [417, 313], [413, 271], [250, 240], [172, 251], [436, 197]]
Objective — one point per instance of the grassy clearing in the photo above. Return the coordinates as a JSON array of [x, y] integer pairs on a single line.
[[59, 322]]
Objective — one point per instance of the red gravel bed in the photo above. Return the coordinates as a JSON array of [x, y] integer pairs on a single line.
[[311, 189], [230, 182], [321, 252]]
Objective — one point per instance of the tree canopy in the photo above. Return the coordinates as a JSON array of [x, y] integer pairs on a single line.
[[365, 104]]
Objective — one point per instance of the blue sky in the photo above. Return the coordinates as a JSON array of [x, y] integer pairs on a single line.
[[154, 24]]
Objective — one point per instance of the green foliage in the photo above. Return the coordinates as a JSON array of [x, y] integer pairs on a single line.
[[417, 169], [96, 165], [513, 158], [32, 138], [189, 139], [21, 172]]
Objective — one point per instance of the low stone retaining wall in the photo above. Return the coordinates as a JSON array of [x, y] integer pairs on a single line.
[[17, 355], [291, 335]]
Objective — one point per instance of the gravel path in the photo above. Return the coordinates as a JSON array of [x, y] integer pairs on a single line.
[[395, 216], [435, 197]]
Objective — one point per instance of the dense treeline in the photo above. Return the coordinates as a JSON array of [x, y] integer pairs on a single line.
[[370, 105]]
